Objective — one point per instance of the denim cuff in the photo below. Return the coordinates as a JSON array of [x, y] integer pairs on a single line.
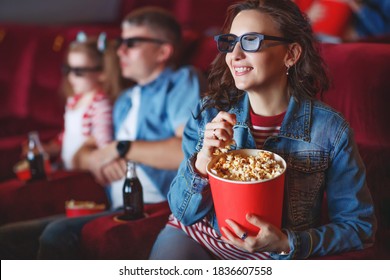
[[305, 244], [292, 240], [301, 245], [198, 181]]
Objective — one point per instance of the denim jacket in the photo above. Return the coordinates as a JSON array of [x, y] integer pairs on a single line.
[[322, 157], [166, 103]]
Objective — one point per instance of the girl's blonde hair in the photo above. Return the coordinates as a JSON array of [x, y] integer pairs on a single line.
[[107, 58]]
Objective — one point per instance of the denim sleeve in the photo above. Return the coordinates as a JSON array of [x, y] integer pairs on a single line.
[[120, 110], [189, 196], [352, 223], [183, 96]]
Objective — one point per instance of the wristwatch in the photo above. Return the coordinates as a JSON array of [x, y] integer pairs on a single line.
[[123, 147]]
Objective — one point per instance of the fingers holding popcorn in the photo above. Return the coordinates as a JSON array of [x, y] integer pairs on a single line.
[[220, 129], [218, 135], [211, 144], [225, 117]]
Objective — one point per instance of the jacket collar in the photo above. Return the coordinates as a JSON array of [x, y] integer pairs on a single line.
[[151, 87], [155, 85], [296, 124]]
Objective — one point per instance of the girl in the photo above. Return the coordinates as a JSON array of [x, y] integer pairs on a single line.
[[264, 80], [91, 82]]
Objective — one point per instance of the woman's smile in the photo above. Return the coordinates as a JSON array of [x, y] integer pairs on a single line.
[[242, 70]]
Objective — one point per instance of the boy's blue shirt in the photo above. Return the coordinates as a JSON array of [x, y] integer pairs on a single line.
[[166, 103]]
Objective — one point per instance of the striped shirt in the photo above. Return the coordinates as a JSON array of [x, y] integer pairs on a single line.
[[206, 236], [97, 119], [264, 127]]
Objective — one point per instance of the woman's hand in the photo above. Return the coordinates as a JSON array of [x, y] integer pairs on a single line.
[[268, 239], [218, 133]]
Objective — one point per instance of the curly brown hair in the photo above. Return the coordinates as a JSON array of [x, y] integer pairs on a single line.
[[306, 78]]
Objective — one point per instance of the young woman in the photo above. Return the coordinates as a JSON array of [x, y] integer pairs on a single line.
[[265, 80]]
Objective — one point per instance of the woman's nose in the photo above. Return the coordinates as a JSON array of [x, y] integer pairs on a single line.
[[237, 52]]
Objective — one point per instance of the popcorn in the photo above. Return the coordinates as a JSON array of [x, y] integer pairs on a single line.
[[74, 208], [219, 151], [238, 167], [73, 204]]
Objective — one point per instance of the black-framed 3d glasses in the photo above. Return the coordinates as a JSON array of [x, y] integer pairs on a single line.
[[249, 42], [80, 71], [130, 42]]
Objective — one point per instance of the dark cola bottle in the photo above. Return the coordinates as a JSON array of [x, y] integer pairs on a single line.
[[36, 157], [133, 202]]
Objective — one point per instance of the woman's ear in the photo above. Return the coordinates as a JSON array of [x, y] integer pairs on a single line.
[[293, 54]]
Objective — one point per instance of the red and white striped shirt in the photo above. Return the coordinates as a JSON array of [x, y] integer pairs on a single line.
[[97, 119], [264, 127], [206, 236]]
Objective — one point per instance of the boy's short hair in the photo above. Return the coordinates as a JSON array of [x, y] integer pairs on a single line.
[[160, 21]]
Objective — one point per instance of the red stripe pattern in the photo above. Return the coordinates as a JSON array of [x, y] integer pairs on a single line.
[[264, 127], [206, 236], [97, 120]]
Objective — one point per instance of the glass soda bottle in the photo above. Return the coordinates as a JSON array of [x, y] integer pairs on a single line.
[[133, 201], [36, 157]]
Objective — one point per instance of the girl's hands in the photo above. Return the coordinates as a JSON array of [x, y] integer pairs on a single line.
[[268, 239], [218, 133]]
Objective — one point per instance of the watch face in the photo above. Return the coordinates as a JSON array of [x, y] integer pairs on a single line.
[[122, 147]]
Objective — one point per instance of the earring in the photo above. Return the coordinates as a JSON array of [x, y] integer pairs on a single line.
[[288, 68]]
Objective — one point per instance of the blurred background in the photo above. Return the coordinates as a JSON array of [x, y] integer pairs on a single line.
[[198, 14], [34, 35], [59, 12]]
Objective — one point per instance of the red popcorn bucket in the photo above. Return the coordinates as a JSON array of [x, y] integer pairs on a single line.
[[22, 169], [82, 208], [234, 199], [335, 21]]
